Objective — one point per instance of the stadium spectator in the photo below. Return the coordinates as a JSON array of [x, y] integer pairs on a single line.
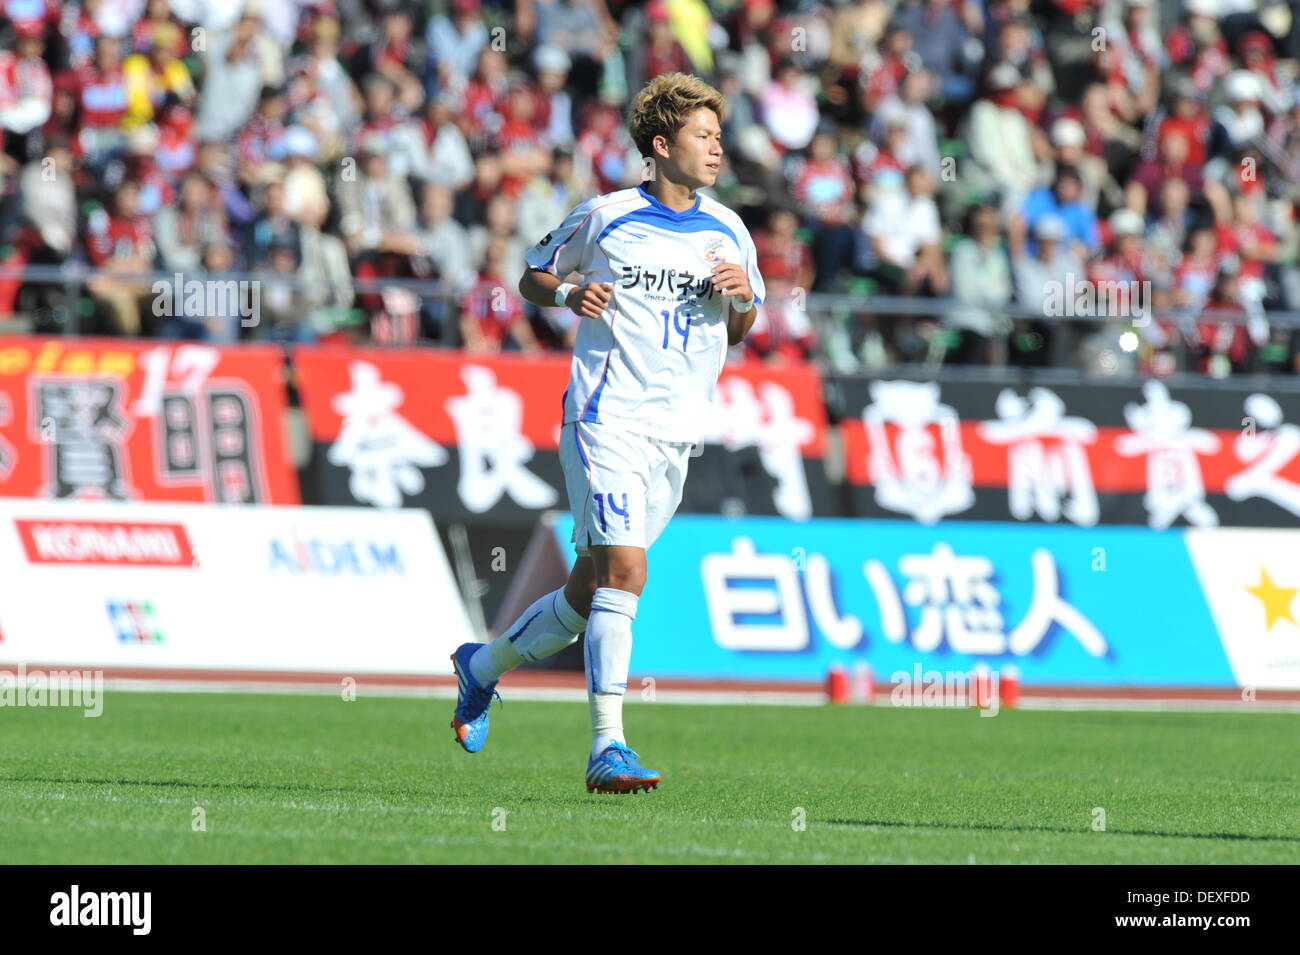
[[939, 36], [781, 254], [1005, 146], [155, 74], [282, 302], [782, 333], [120, 244], [102, 105], [1050, 269], [183, 231], [26, 91], [788, 107], [824, 190], [494, 318], [455, 43], [552, 66], [905, 237], [324, 272], [1062, 200], [239, 62], [282, 107], [375, 206], [445, 158], [982, 284]]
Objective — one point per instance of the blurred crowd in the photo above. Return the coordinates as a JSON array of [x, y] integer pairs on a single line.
[[1007, 159]]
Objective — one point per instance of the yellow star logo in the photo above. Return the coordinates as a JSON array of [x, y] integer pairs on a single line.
[[1276, 600]]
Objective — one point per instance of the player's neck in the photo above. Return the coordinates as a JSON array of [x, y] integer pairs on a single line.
[[674, 195]]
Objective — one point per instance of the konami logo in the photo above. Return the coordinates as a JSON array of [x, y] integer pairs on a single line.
[[131, 543]]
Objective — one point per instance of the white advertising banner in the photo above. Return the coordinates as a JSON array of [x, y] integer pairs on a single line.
[[1250, 579], [204, 586]]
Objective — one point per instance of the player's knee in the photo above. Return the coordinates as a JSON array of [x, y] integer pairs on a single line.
[[626, 576]]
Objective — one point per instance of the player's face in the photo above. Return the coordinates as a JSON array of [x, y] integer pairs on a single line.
[[697, 154]]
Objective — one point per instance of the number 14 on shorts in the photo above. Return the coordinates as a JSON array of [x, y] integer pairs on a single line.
[[608, 499]]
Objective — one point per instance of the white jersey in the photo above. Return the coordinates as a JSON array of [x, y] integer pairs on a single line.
[[650, 363]]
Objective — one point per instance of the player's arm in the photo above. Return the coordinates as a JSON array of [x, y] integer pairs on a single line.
[[732, 282], [588, 301]]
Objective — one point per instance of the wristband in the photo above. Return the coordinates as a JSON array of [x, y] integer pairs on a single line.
[[743, 308], [562, 292]]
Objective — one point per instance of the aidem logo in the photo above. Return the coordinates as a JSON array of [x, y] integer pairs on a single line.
[[102, 908]]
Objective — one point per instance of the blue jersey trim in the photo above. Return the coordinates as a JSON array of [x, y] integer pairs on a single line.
[[672, 212], [686, 222], [577, 437], [592, 411]]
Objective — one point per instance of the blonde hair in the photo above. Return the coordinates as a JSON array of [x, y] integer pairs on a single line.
[[664, 104]]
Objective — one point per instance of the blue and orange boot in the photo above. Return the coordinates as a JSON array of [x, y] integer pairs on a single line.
[[473, 701], [616, 770]]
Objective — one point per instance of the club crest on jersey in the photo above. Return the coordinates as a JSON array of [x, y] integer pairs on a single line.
[[713, 251]]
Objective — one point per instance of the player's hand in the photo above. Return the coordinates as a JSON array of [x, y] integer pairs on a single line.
[[591, 300], [730, 279]]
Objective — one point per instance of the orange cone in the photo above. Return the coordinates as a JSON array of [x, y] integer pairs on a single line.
[[1009, 684], [837, 684]]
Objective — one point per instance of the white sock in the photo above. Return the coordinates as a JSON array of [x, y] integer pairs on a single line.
[[608, 657], [606, 720], [544, 629]]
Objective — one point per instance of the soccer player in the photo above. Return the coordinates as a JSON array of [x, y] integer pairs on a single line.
[[667, 280]]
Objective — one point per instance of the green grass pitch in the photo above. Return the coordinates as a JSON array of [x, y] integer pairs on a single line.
[[311, 779]]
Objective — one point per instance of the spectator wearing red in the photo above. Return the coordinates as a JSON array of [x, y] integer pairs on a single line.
[[261, 140], [26, 90], [604, 143], [1124, 260], [1257, 56], [1198, 269], [493, 319], [79, 35], [521, 139], [1171, 163], [39, 17], [1245, 237], [1197, 47], [883, 73], [120, 244], [824, 189], [781, 255], [782, 333], [663, 53], [485, 98], [1187, 117], [156, 13]]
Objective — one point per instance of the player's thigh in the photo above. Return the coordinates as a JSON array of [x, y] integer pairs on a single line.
[[606, 474], [665, 493]]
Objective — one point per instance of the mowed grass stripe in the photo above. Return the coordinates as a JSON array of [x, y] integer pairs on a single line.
[[314, 779]]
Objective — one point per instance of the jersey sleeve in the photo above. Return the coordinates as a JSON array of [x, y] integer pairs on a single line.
[[750, 254], [566, 249]]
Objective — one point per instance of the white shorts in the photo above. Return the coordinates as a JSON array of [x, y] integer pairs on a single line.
[[623, 486]]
